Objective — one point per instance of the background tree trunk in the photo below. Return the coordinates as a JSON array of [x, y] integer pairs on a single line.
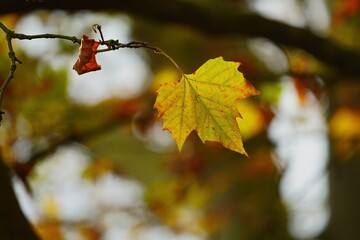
[[344, 168], [13, 223], [344, 200]]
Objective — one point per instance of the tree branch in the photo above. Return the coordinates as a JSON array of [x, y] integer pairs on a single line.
[[110, 44], [115, 45], [13, 61], [219, 20], [10, 35], [46, 35]]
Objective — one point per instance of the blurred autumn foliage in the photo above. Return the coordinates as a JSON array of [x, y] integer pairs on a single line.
[[122, 174]]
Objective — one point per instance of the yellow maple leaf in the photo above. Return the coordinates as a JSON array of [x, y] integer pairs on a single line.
[[205, 102]]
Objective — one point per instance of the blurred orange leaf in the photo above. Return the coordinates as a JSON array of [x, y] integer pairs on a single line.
[[346, 9], [344, 124], [300, 89], [345, 132], [49, 230], [255, 120]]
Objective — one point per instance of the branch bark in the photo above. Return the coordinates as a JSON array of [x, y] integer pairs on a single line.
[[221, 20]]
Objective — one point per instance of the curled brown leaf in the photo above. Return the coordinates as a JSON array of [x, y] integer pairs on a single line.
[[86, 61]]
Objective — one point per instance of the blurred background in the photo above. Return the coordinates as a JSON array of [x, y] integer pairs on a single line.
[[90, 159]]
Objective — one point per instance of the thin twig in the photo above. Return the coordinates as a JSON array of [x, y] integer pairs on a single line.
[[115, 45], [13, 61], [21, 36], [98, 27]]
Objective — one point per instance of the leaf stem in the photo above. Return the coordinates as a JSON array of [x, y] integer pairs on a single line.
[[159, 51]]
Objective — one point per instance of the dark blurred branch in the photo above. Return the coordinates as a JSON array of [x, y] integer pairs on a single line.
[[110, 122], [218, 20]]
